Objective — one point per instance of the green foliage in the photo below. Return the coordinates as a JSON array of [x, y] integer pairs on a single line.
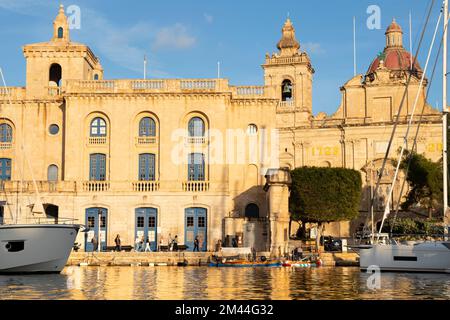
[[324, 194], [425, 179], [409, 226]]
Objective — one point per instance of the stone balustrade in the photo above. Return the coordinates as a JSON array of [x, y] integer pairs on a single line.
[[145, 186], [195, 140], [142, 86], [49, 187], [13, 93], [195, 186], [5, 145], [249, 91], [146, 140], [97, 140], [287, 104]]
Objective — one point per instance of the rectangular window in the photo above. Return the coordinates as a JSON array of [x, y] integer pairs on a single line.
[[190, 221], [140, 222], [400, 258], [91, 222], [5, 169], [196, 167], [147, 167], [97, 167], [201, 222], [103, 222], [151, 222]]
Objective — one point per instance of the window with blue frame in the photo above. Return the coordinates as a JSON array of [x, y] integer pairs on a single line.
[[5, 169], [196, 127], [97, 167], [5, 133], [60, 32], [196, 167], [147, 167], [147, 127], [98, 127]]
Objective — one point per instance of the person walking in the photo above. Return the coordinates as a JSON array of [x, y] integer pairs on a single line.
[[147, 246], [118, 244], [196, 244], [170, 243]]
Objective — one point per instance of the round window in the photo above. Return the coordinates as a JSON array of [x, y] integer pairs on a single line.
[[53, 129]]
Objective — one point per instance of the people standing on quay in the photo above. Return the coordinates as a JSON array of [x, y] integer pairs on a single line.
[[161, 243], [137, 244], [118, 244], [169, 243], [175, 243], [196, 244], [94, 242], [147, 246]]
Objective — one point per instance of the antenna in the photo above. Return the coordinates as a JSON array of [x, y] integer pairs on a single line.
[[354, 46], [145, 66], [410, 40]]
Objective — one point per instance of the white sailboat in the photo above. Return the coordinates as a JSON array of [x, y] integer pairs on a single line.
[[36, 247], [422, 256]]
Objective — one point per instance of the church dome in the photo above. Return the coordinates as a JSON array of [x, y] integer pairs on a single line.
[[394, 56], [288, 42]]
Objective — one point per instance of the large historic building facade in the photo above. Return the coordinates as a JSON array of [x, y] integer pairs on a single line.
[[190, 157]]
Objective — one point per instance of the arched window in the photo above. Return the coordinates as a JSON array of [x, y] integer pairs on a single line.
[[98, 128], [5, 133], [52, 173], [60, 32], [147, 127], [55, 74], [252, 211], [96, 76], [286, 90], [196, 127]]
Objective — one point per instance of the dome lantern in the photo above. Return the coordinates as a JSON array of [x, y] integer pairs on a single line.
[[288, 45]]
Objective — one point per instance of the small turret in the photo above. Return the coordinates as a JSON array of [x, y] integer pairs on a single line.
[[288, 45], [61, 27]]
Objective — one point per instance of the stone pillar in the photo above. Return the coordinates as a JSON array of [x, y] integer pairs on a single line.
[[277, 189]]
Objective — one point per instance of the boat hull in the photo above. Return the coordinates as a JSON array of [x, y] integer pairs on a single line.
[[423, 257], [35, 248]]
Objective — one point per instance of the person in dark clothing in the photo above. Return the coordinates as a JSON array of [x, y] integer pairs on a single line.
[[175, 243], [196, 244], [118, 244], [234, 243]]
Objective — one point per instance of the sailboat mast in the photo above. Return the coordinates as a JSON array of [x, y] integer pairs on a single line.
[[445, 114]]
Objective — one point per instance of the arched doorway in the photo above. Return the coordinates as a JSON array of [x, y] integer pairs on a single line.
[[286, 90]]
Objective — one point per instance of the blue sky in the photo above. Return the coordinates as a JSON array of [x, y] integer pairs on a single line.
[[186, 38]]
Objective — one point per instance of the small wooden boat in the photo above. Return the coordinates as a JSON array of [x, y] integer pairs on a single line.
[[302, 264], [245, 264]]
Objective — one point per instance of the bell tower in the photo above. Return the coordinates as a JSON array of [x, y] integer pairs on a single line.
[[50, 63], [288, 74]]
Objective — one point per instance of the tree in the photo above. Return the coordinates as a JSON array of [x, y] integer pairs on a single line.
[[425, 179], [321, 195]]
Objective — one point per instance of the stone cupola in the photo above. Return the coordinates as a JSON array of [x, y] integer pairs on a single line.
[[288, 45]]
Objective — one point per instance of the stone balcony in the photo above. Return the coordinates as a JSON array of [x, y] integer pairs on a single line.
[[97, 140], [143, 141], [122, 187], [5, 145]]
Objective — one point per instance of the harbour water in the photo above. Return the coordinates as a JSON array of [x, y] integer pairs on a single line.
[[204, 283]]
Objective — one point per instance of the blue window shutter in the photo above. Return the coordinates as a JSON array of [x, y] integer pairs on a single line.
[[147, 167], [5, 133], [5, 169], [196, 167], [97, 170], [147, 127]]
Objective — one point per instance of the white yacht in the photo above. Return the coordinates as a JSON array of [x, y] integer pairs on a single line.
[[418, 257], [36, 248]]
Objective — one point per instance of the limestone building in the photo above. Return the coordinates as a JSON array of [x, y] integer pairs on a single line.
[[189, 157]]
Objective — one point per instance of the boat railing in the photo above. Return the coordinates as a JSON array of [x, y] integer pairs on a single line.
[[51, 220]]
